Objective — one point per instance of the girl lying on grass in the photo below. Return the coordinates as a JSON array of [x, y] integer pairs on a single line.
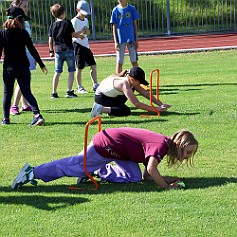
[[126, 148]]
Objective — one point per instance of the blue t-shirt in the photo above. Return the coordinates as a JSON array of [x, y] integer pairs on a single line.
[[123, 19]]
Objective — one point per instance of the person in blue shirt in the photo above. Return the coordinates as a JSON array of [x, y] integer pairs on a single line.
[[124, 20]]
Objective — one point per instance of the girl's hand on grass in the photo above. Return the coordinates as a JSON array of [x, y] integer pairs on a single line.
[[162, 108], [176, 185], [167, 105]]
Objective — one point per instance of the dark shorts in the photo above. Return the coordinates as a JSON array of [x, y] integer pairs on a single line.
[[83, 56], [117, 104]]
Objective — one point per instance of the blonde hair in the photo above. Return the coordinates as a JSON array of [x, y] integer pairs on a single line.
[[18, 22], [120, 74], [181, 139]]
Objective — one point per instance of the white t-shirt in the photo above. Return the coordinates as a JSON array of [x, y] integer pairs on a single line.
[[106, 87], [78, 25]]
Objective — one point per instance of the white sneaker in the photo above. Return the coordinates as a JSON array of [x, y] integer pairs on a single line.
[[81, 90], [96, 110]]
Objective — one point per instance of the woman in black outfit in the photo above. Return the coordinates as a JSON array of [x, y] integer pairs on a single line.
[[14, 39]]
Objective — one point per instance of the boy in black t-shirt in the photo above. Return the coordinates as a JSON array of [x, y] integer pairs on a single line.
[[60, 36]]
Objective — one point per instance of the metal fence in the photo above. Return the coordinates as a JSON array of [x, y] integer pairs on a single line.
[[158, 17]]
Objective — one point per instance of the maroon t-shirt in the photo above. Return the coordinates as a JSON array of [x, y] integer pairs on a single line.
[[131, 144]]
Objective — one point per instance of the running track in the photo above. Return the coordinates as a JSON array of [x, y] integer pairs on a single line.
[[163, 45]]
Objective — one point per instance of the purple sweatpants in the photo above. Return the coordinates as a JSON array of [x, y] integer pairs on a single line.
[[121, 171]]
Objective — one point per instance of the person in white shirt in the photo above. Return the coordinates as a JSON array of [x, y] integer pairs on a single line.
[[83, 54]]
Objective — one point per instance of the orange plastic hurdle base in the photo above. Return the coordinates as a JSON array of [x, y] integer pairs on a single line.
[[85, 152]]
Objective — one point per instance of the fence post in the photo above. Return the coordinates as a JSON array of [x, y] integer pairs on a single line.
[[93, 20], [168, 16]]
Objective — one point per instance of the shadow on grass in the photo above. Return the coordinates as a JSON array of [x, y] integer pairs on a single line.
[[43, 202], [52, 203], [164, 114], [62, 111], [200, 84], [174, 89], [105, 187], [201, 183]]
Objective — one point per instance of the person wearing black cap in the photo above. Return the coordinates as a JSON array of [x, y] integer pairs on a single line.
[[115, 90], [13, 39], [24, 5]]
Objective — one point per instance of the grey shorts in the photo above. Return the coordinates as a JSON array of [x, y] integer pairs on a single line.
[[131, 50]]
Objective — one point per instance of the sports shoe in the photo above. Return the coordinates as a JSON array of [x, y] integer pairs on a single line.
[[37, 121], [81, 90], [82, 180], [70, 94], [96, 110], [54, 95], [25, 175], [95, 87], [14, 110], [5, 121], [26, 108]]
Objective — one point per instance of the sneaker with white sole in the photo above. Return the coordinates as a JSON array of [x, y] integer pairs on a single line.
[[96, 110], [70, 94], [81, 90], [25, 175], [95, 87], [54, 96], [82, 180], [14, 110], [37, 121]]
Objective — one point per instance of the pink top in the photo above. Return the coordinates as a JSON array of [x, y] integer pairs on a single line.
[[131, 144]]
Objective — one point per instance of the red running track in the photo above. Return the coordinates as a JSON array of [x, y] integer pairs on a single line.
[[158, 45]]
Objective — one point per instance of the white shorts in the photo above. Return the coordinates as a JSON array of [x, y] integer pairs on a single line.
[[131, 50]]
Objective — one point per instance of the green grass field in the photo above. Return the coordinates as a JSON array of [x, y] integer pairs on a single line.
[[202, 89]]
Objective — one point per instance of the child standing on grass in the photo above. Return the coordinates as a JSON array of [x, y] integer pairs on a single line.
[[24, 5], [84, 56], [14, 39], [126, 148], [124, 20], [60, 35]]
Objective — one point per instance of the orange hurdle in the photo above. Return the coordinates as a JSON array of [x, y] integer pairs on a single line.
[[85, 153], [85, 147], [157, 88]]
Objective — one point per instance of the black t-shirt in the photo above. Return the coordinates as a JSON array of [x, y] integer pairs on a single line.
[[61, 32], [14, 42]]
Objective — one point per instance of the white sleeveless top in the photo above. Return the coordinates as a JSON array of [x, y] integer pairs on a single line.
[[106, 87]]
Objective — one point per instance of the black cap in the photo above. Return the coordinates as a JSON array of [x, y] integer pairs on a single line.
[[14, 12], [138, 74]]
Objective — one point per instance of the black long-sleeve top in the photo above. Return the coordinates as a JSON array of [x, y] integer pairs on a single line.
[[14, 41]]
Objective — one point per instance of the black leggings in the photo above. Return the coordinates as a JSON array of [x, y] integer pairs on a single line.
[[117, 104], [23, 78]]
